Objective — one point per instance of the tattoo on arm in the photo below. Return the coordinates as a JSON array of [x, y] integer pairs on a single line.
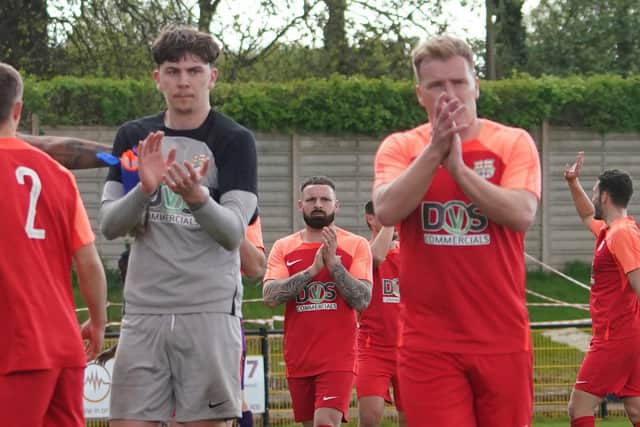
[[280, 291], [357, 293], [73, 153]]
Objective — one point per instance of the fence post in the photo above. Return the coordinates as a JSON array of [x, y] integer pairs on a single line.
[[264, 340], [35, 124], [604, 411], [295, 180]]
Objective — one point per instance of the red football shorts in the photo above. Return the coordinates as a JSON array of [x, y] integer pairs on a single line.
[[326, 390], [51, 397], [377, 370], [611, 367], [466, 390]]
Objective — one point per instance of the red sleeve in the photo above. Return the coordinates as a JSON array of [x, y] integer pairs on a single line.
[[362, 265], [276, 267], [82, 232], [596, 225], [253, 234], [391, 160], [523, 165], [624, 244]]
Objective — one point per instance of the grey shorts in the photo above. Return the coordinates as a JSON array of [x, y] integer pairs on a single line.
[[186, 362]]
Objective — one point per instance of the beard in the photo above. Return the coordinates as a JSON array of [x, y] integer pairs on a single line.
[[318, 222], [598, 211]]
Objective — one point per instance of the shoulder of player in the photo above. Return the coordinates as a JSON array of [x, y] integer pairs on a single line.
[[626, 225], [352, 238], [288, 243], [140, 128], [44, 161], [229, 129], [502, 131], [419, 134]]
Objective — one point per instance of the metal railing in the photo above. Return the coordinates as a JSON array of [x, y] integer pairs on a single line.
[[555, 368]]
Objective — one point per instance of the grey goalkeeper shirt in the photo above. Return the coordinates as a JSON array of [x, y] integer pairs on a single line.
[[183, 261]]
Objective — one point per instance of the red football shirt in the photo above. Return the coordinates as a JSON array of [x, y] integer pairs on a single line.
[[44, 222], [613, 303], [253, 234], [380, 322], [462, 275], [319, 326]]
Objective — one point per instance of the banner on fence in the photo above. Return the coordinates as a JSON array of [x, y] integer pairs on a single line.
[[97, 389], [254, 383]]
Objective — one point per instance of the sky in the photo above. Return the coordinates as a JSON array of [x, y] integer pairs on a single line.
[[469, 22], [466, 22]]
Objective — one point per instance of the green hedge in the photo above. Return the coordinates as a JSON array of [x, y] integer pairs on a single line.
[[347, 104]]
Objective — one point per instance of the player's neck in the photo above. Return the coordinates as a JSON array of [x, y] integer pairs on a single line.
[[472, 131], [183, 121], [311, 235], [7, 131], [615, 215]]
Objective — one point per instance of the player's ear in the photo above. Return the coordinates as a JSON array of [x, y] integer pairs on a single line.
[[420, 96], [16, 111], [213, 77], [156, 77]]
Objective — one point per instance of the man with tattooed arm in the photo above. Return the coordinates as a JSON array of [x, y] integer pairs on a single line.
[[324, 274]]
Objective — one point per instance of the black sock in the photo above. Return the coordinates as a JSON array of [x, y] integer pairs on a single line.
[[247, 419]]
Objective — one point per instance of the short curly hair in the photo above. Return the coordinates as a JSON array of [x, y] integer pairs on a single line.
[[618, 184], [176, 41]]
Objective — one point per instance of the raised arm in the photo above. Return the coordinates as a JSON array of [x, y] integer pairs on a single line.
[[381, 244], [279, 291], [72, 153], [356, 292], [119, 212], [395, 200], [581, 200]]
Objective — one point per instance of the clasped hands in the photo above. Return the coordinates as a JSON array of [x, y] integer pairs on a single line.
[[445, 132], [154, 170], [326, 253]]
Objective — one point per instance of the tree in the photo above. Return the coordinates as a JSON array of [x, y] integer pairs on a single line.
[[505, 40], [112, 38], [24, 42], [584, 37]]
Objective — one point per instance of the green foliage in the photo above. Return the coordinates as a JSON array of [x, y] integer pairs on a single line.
[[90, 101], [23, 35], [341, 104], [584, 36]]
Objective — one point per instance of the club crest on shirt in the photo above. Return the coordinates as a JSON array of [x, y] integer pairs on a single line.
[[484, 168], [198, 160]]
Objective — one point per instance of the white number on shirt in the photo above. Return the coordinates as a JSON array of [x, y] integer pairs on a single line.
[[36, 186]]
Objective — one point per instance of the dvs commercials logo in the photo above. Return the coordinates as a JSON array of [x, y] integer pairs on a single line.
[[454, 223], [317, 296]]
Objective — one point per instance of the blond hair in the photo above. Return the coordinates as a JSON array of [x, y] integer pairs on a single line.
[[440, 48]]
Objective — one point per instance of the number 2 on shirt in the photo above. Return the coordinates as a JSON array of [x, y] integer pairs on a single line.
[[36, 187]]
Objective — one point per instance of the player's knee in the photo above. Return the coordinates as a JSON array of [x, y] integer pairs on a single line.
[[582, 405], [632, 407], [371, 417]]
